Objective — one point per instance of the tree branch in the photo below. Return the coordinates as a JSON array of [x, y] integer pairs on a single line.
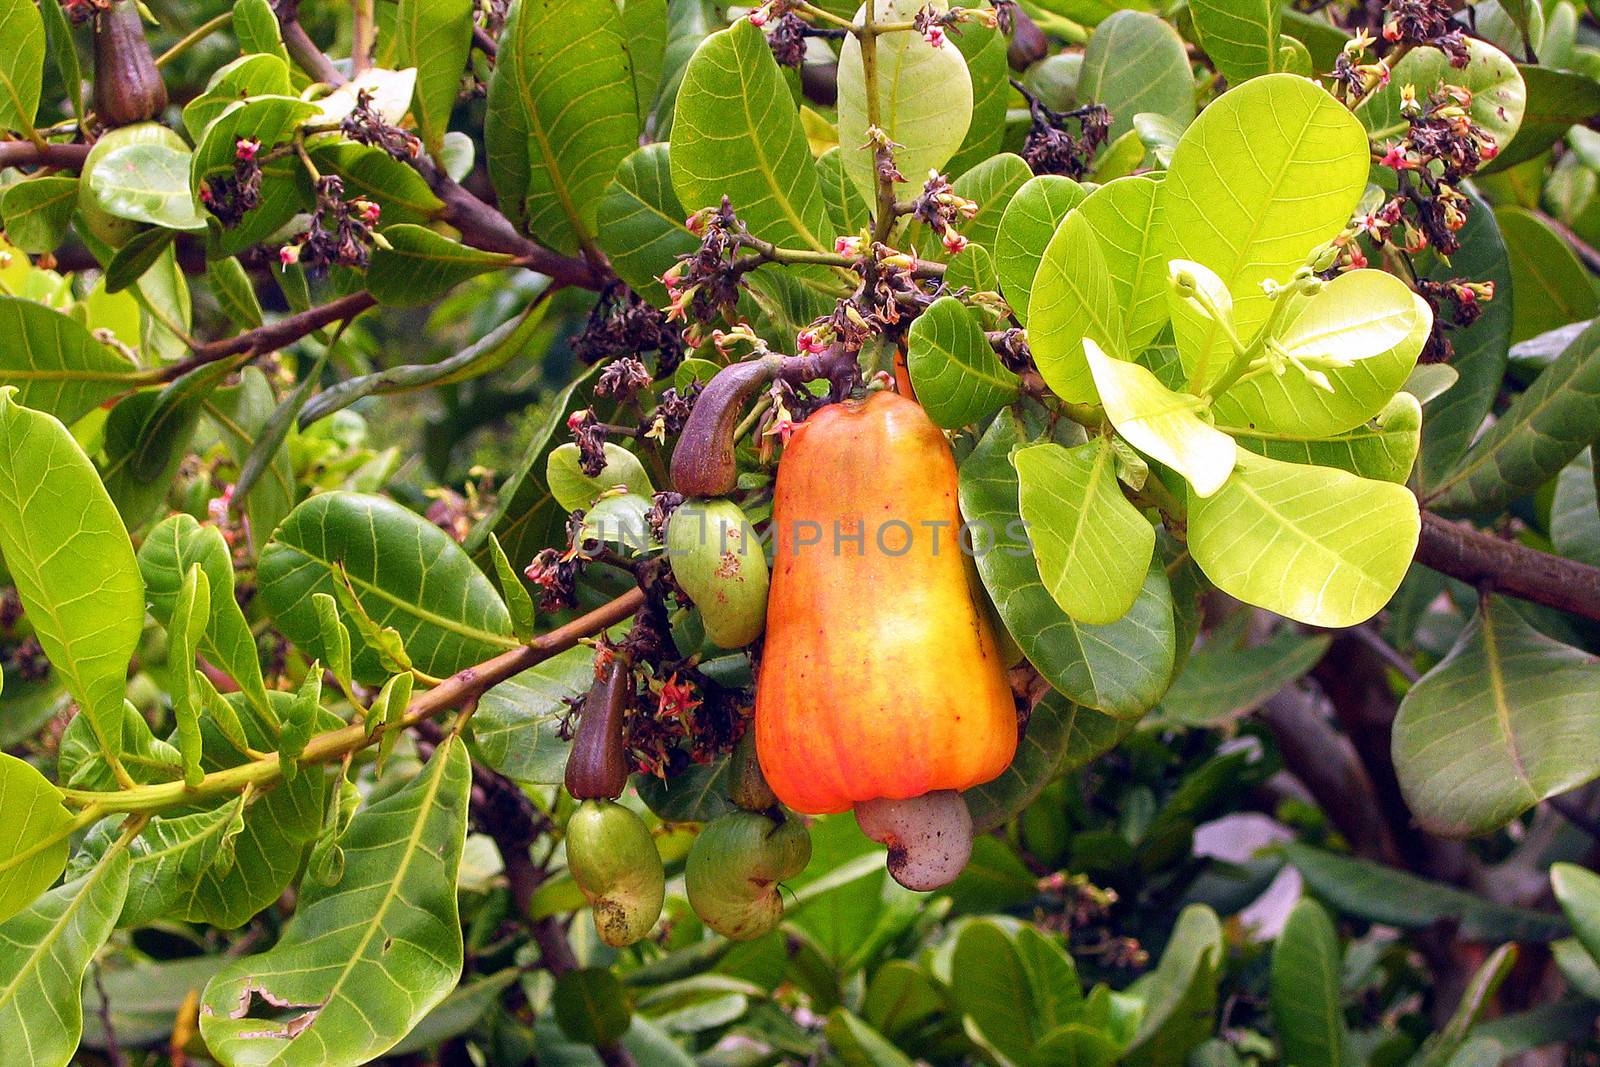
[[28, 154], [302, 49], [272, 336], [1473, 556]]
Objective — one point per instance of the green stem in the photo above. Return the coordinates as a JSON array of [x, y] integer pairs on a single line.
[[194, 37]]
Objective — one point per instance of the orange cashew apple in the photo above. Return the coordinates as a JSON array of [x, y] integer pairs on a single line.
[[880, 678]]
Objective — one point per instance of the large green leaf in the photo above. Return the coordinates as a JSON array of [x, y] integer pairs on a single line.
[[55, 363], [1557, 101], [1182, 993], [924, 100], [1385, 448], [147, 183], [258, 74], [364, 960], [1239, 36], [561, 117], [1026, 228], [1577, 890], [1121, 669], [1128, 229], [644, 35], [1497, 726], [397, 188], [33, 838], [405, 572], [1382, 894], [242, 414], [517, 728], [1368, 316], [71, 562], [1452, 420], [420, 266], [1541, 432], [857, 1044], [1266, 174], [167, 857], [957, 376], [1091, 544], [1218, 684], [1136, 63], [1498, 95], [1164, 425], [44, 952], [1306, 989], [38, 210], [985, 50], [22, 64], [1061, 737], [1574, 517], [1015, 989], [1316, 544], [434, 36], [641, 222], [1549, 284], [1072, 300], [737, 134]]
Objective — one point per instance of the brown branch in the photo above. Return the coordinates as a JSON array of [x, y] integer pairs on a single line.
[[28, 154], [1514, 569], [272, 336], [302, 49]]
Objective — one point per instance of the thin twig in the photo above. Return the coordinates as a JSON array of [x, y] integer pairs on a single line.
[[113, 1049]]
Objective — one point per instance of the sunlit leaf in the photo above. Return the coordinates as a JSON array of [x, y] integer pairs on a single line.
[[957, 376], [1135, 63], [1027, 226], [33, 838], [1073, 300]]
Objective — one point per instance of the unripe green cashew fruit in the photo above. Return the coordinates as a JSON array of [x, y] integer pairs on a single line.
[[746, 785], [718, 561], [115, 231], [615, 863], [735, 867]]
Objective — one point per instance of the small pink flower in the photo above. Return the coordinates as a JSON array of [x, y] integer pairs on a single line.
[[954, 242], [368, 210], [575, 420], [1396, 159], [934, 35], [759, 16], [245, 148], [847, 246], [808, 341], [289, 255]]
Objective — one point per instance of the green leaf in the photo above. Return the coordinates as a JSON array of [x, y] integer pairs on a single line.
[[420, 266], [146, 183], [1073, 300], [1220, 684], [1384, 449], [736, 133], [1120, 669], [367, 170], [365, 960], [248, 76], [1092, 546], [79, 764], [1453, 420], [1577, 890], [1136, 63], [234, 292], [985, 52], [169, 550], [846, 209], [1574, 517], [284, 191], [515, 594], [1240, 36], [1496, 727], [1369, 317], [1162, 424], [405, 572], [191, 613], [59, 36], [924, 101], [243, 415], [1557, 101], [71, 562], [434, 36], [167, 856], [1540, 433], [1026, 228], [957, 376], [1318, 545], [33, 838], [1014, 990], [1271, 170], [44, 952], [1075, 1045], [562, 116], [1061, 737], [857, 1044], [38, 210], [573, 489], [1442, 1046], [1549, 285], [1306, 989], [22, 67], [641, 222], [698, 794], [55, 363], [255, 27], [1129, 232], [1498, 95], [591, 1005], [1182, 993], [1384, 894], [644, 36], [261, 846], [133, 260]]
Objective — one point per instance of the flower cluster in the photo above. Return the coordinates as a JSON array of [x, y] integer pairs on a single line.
[[340, 233], [1051, 149], [1426, 22], [621, 322], [787, 39], [590, 434], [80, 11], [232, 196], [366, 126], [1354, 76], [1456, 303], [672, 411], [622, 379], [704, 284], [940, 208], [1442, 147]]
